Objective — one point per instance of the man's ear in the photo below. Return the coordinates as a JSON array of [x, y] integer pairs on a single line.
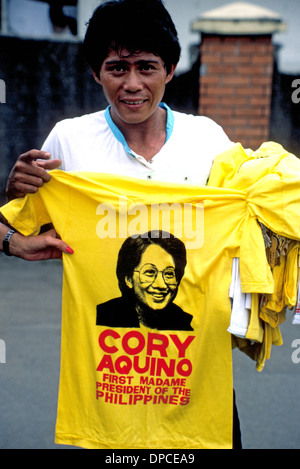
[[96, 77], [171, 73], [128, 281]]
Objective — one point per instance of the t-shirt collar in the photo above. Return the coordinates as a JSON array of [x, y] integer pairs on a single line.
[[120, 137]]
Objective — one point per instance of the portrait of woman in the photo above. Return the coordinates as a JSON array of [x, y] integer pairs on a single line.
[[149, 270]]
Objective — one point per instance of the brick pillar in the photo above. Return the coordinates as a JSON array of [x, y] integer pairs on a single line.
[[236, 72], [236, 85]]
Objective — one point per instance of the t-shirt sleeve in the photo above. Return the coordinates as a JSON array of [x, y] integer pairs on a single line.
[[211, 140], [27, 215], [53, 146], [222, 141]]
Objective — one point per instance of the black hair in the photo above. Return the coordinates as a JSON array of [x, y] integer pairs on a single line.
[[135, 25], [133, 248]]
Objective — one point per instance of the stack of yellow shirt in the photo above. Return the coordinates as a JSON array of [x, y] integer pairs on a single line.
[[246, 168]]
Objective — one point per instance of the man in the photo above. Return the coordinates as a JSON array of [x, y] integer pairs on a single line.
[[132, 49], [149, 270]]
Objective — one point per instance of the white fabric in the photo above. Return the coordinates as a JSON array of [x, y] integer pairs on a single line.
[[240, 303], [88, 143], [296, 317]]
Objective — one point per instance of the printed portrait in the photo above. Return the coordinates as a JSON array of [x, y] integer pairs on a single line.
[[149, 270]]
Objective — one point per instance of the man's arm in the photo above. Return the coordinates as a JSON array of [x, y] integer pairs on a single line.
[[29, 173], [33, 248]]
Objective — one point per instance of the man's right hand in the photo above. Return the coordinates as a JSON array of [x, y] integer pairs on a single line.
[[30, 173]]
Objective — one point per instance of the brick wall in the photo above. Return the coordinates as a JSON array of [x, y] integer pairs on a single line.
[[236, 85]]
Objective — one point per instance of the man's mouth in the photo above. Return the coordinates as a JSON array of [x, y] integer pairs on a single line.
[[133, 103]]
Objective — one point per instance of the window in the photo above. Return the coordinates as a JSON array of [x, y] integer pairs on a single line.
[[39, 18]]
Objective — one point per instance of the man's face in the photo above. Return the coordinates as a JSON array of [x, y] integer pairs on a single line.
[[133, 85], [154, 281]]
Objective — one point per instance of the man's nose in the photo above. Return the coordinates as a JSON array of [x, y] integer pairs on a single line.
[[133, 82]]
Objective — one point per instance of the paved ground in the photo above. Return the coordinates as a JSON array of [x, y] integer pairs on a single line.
[[30, 300]]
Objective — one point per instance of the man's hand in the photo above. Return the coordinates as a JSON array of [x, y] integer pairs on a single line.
[[38, 248], [28, 174]]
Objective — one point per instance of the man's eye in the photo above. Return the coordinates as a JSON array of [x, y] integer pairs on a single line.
[[118, 69], [146, 68]]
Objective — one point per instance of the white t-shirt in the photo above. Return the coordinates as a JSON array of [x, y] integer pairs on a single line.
[[93, 142]]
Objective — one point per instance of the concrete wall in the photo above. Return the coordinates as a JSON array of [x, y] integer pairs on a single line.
[[45, 82]]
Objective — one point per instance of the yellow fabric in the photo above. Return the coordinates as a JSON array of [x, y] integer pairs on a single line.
[[255, 329], [285, 276], [102, 403], [270, 177], [291, 279], [245, 168], [198, 412]]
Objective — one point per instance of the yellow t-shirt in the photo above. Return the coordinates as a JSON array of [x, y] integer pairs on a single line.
[[145, 355]]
